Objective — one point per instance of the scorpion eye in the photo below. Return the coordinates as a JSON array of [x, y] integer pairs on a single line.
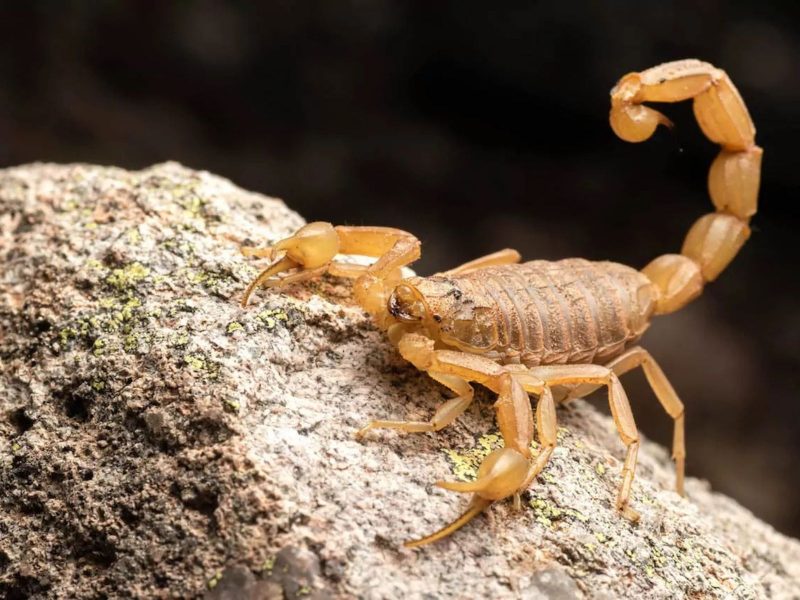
[[406, 305]]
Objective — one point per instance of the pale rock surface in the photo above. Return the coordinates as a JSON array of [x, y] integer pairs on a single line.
[[157, 440]]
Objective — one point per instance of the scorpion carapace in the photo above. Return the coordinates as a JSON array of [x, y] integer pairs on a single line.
[[556, 330]]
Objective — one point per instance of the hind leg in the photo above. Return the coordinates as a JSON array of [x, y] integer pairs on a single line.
[[639, 357], [665, 393], [620, 411]]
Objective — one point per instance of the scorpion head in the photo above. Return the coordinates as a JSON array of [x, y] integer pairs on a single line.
[[439, 307], [423, 300]]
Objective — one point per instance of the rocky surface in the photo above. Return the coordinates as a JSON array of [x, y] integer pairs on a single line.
[[157, 440]]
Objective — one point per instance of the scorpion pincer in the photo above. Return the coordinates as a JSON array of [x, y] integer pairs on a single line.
[[556, 330]]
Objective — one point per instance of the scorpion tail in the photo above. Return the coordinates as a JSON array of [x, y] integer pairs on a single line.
[[476, 507], [733, 181]]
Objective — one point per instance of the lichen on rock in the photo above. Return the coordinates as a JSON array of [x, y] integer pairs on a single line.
[[157, 440]]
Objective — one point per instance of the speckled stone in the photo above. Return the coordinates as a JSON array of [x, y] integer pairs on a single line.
[[157, 440]]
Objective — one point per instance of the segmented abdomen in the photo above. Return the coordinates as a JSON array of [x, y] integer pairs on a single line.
[[569, 311]]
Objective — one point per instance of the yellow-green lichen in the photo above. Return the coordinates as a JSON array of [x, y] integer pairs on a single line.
[[99, 347], [128, 276], [179, 247], [67, 334], [547, 513], [200, 364], [95, 265], [214, 580], [234, 326], [107, 302], [465, 464], [179, 339], [210, 280], [268, 564], [121, 317], [192, 204], [98, 386], [271, 317], [658, 557], [600, 469], [197, 276], [126, 312], [232, 405], [130, 343], [133, 235]]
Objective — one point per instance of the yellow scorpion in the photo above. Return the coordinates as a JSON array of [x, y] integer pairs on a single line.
[[553, 329]]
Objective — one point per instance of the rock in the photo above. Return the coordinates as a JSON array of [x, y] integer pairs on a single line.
[[158, 440]]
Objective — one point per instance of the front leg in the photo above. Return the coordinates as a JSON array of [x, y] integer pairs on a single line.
[[505, 472], [444, 415]]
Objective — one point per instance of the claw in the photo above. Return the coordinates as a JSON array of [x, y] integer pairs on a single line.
[[311, 249], [282, 264], [475, 508], [314, 245], [500, 475]]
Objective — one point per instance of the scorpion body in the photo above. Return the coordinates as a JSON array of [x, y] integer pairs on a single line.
[[572, 311], [555, 330]]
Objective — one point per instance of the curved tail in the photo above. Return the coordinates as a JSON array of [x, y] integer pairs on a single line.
[[733, 179]]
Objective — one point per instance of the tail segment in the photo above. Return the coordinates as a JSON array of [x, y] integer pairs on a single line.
[[733, 180]]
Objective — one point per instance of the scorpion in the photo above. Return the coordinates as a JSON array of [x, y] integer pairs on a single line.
[[556, 330]]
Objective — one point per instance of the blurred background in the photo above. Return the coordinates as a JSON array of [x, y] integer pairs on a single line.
[[476, 129]]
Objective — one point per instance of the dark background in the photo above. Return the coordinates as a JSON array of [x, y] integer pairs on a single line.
[[476, 129]]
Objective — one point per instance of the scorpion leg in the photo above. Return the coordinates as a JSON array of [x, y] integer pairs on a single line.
[[509, 470], [639, 357], [445, 414], [547, 428], [620, 411], [665, 393], [257, 252], [506, 256]]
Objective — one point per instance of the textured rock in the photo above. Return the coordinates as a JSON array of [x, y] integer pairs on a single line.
[[158, 440]]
